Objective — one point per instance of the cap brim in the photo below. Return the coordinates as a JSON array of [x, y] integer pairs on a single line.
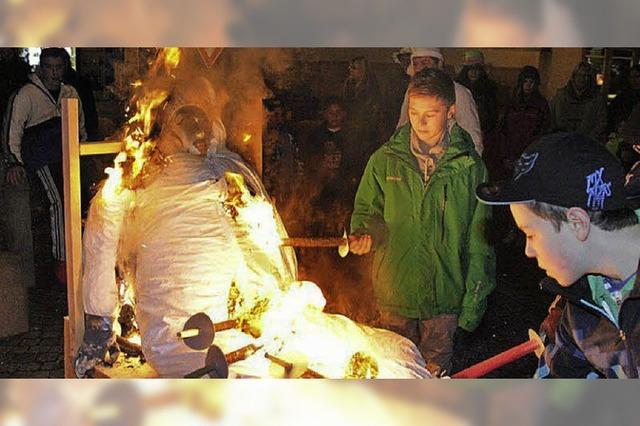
[[501, 194]]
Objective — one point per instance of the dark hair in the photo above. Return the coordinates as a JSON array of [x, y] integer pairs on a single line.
[[55, 52], [365, 89], [463, 75], [612, 220], [592, 88], [433, 82], [526, 72], [332, 100]]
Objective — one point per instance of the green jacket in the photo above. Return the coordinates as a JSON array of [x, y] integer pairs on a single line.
[[431, 255]]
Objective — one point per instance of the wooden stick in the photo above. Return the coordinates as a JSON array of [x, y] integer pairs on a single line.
[[282, 363], [314, 242], [219, 326], [242, 353]]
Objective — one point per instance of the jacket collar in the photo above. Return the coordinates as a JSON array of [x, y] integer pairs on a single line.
[[460, 145], [35, 79], [580, 289]]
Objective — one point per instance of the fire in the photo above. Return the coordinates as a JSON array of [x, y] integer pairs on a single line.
[[171, 57], [137, 143], [361, 366], [281, 312], [115, 177], [246, 137], [135, 338]]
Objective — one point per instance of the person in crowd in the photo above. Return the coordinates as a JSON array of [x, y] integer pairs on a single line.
[[526, 118], [626, 99], [578, 106], [35, 139], [363, 103], [415, 208], [474, 77], [568, 196], [280, 153], [466, 111]]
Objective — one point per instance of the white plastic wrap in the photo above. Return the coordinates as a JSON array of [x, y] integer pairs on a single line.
[[99, 247], [185, 251]]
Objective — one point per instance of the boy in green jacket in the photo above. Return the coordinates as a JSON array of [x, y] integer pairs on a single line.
[[416, 209]]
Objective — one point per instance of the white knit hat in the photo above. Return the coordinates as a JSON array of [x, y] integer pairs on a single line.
[[433, 52], [420, 52]]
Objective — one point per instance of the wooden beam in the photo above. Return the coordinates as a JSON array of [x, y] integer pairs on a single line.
[[69, 372], [72, 223], [100, 148]]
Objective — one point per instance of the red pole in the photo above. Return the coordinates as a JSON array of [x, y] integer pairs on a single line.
[[534, 344]]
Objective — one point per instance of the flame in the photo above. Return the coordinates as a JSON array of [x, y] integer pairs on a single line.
[[171, 57], [275, 314], [135, 338], [246, 137], [114, 182], [137, 143]]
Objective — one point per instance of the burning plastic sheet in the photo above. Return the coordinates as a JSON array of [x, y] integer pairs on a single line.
[[195, 240]]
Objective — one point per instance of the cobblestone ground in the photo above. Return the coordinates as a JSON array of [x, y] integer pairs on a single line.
[[516, 305], [39, 352]]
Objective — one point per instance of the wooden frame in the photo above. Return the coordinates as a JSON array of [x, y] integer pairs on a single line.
[[72, 149]]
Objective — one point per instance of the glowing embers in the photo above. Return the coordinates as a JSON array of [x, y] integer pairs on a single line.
[[361, 366]]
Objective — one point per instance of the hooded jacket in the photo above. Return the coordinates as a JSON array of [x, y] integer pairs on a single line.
[[33, 105], [431, 255], [583, 114]]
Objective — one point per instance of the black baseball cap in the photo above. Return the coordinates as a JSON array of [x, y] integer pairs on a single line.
[[563, 169]]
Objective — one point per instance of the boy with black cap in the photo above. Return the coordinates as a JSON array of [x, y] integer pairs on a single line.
[[567, 195]]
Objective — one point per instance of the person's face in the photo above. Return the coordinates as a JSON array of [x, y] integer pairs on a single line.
[[356, 70], [555, 252], [528, 86], [580, 79], [634, 79], [334, 116], [52, 70], [422, 62], [474, 73], [428, 116]]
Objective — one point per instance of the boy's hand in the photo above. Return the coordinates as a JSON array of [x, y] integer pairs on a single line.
[[360, 244]]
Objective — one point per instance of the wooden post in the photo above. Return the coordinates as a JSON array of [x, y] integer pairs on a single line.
[[73, 222], [71, 152]]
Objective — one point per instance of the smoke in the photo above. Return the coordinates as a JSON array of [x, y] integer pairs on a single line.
[[345, 283]]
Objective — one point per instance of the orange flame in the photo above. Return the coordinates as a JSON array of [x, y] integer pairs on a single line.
[[138, 146]]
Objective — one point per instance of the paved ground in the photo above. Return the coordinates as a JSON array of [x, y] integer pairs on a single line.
[[39, 352], [515, 306]]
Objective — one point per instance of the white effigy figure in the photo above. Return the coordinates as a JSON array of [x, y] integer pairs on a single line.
[[191, 239]]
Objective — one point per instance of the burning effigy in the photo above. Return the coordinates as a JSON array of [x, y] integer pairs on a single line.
[[184, 232]]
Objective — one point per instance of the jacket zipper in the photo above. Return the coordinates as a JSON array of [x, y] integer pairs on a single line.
[[621, 333], [444, 209]]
